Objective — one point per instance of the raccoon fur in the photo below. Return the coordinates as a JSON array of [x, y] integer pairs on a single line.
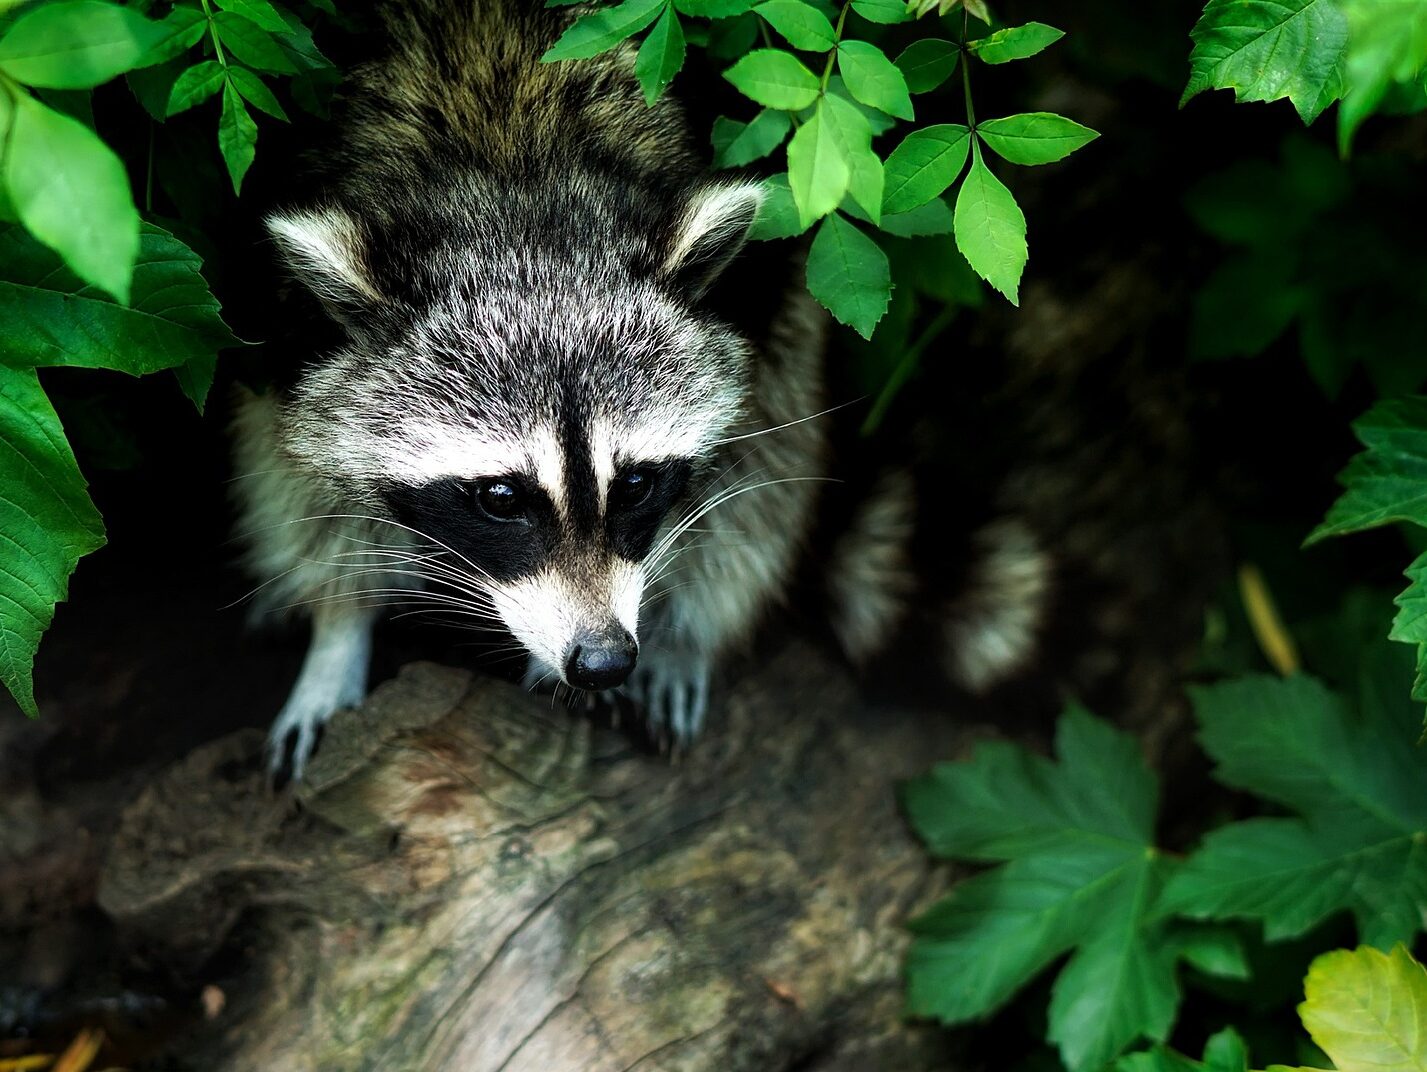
[[547, 398]]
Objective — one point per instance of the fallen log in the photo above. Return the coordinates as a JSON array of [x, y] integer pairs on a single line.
[[477, 881]]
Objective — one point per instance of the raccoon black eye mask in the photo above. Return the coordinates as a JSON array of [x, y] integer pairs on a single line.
[[528, 390]]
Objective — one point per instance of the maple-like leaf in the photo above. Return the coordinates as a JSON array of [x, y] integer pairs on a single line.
[[1357, 841], [1078, 872]]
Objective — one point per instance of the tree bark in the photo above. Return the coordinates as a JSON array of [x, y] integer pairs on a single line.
[[476, 881]]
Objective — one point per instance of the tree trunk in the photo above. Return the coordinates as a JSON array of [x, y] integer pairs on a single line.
[[476, 880]]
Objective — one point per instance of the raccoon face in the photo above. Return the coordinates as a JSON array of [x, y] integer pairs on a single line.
[[540, 422]]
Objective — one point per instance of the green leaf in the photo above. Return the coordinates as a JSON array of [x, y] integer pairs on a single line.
[[879, 122], [1387, 482], [927, 63], [1015, 42], [601, 30], [76, 44], [873, 79], [71, 192], [849, 274], [854, 135], [925, 164], [52, 318], [1034, 137], [184, 27], [736, 144], [777, 215], [1215, 951], [886, 12], [715, 9], [237, 136], [660, 56], [255, 92], [194, 86], [1359, 841], [818, 170], [1367, 1010], [151, 86], [1386, 46], [991, 230], [1248, 302], [252, 44], [1078, 872], [48, 521], [1224, 1052], [1410, 624], [259, 12], [195, 379], [933, 218], [1266, 50], [802, 25], [774, 78]]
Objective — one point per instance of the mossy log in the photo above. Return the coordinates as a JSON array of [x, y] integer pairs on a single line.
[[475, 880]]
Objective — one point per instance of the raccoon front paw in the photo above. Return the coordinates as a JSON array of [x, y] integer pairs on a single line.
[[673, 691], [294, 737]]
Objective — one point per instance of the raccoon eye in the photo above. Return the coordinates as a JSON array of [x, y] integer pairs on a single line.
[[630, 489], [498, 499]]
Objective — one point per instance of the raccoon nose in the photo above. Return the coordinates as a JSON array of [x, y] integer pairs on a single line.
[[601, 662]]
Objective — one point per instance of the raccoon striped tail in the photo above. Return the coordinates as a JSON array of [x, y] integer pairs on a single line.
[[984, 632]]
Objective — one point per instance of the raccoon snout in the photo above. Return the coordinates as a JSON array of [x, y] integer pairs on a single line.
[[601, 661]]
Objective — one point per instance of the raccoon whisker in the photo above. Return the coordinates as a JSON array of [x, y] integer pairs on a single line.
[[254, 591], [395, 524], [695, 512], [734, 493], [787, 424]]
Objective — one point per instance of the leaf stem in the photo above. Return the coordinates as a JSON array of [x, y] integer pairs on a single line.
[[905, 367], [836, 40], [213, 33], [965, 75]]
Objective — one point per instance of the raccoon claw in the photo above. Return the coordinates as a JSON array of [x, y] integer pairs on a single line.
[[292, 742], [674, 694]]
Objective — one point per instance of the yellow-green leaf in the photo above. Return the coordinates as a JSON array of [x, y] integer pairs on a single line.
[[1367, 1010]]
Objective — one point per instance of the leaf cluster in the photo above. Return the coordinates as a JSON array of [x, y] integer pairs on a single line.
[[830, 92], [1073, 865], [84, 281]]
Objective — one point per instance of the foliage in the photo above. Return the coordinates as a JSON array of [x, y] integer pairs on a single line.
[[83, 282], [835, 95], [1365, 1009], [1079, 869], [1314, 52], [1385, 484]]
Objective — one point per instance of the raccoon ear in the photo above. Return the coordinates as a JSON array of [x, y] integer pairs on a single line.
[[325, 250], [709, 234]]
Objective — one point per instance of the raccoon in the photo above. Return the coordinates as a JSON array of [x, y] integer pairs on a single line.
[[547, 399]]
